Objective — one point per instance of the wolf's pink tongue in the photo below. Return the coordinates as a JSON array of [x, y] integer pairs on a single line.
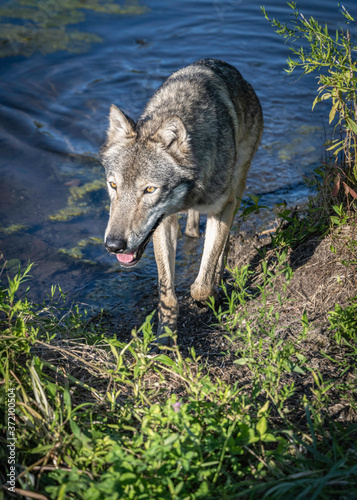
[[125, 258]]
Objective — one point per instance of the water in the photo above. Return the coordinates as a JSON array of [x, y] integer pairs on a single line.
[[53, 113]]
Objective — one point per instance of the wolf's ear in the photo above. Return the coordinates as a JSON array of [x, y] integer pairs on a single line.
[[121, 127], [172, 135]]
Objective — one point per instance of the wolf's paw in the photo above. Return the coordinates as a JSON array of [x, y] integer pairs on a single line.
[[192, 233], [201, 293], [162, 341]]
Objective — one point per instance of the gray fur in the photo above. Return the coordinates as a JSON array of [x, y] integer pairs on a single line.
[[192, 146]]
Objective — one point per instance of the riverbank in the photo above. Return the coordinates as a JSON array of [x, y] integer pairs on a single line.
[[259, 396]]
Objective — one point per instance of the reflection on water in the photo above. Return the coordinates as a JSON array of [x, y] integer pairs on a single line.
[[43, 26], [54, 104]]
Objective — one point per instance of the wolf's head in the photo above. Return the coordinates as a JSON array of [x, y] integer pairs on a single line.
[[148, 178]]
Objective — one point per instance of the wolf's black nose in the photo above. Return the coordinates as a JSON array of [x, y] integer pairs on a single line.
[[115, 244]]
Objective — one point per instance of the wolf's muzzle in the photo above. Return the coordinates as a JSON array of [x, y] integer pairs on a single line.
[[118, 246], [115, 244]]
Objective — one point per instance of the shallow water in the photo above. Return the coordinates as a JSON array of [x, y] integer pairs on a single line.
[[56, 88]]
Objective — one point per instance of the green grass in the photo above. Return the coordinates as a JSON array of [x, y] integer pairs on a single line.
[[100, 419]]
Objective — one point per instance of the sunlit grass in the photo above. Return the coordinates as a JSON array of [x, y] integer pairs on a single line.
[[99, 418]]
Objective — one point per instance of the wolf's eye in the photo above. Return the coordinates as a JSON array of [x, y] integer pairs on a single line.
[[113, 185], [150, 189]]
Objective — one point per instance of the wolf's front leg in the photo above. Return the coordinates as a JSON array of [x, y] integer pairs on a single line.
[[214, 252], [165, 239]]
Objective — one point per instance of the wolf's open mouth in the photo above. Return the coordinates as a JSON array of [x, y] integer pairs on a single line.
[[130, 259]]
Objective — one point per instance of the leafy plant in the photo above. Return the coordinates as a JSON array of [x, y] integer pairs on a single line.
[[343, 321], [99, 418], [333, 57], [251, 206]]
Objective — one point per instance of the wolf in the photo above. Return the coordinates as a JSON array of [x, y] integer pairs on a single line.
[[190, 150]]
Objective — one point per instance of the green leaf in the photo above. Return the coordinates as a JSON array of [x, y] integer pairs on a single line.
[[262, 426], [127, 478], [264, 408], [247, 211], [326, 96], [268, 438], [75, 429], [67, 400], [51, 388], [41, 449], [243, 361], [253, 439], [171, 439], [300, 356], [297, 369], [254, 198], [333, 112], [165, 360], [352, 125], [316, 100]]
